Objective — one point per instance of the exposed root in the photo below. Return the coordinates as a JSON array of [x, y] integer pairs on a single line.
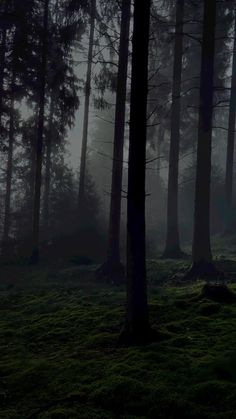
[[204, 270]]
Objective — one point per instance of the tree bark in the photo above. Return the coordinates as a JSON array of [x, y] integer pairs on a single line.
[[39, 146], [33, 156], [201, 252], [2, 63], [160, 140], [230, 145], [113, 268], [172, 249], [7, 218], [137, 322], [46, 210], [83, 159]]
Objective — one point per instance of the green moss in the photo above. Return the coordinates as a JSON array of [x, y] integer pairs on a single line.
[[213, 394], [59, 356], [208, 309]]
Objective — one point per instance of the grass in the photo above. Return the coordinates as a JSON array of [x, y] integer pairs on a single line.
[[59, 357]]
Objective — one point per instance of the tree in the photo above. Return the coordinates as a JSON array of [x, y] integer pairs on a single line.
[[230, 144], [113, 268], [172, 249], [137, 328], [201, 252], [26, 62], [6, 227], [82, 178], [2, 59], [46, 210], [64, 101], [39, 147], [13, 92]]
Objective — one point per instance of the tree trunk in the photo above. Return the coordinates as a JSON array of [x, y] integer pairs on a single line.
[[137, 323], [29, 193], [230, 146], [202, 256], [6, 251], [46, 210], [39, 145], [83, 158], [33, 157], [160, 140], [172, 249], [7, 221], [2, 63], [113, 268]]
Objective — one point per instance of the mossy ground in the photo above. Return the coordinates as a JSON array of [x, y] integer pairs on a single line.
[[59, 357]]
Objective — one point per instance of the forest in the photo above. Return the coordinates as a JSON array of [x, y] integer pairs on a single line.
[[118, 209]]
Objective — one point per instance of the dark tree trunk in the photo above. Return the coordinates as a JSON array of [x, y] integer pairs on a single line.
[[46, 209], [83, 159], [2, 65], [172, 249], [39, 145], [230, 146], [160, 140], [113, 268], [33, 158], [7, 220], [202, 256], [2, 62], [137, 322], [29, 197]]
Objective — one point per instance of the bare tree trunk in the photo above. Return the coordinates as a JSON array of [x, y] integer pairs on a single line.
[[33, 157], [113, 268], [137, 320], [29, 191], [46, 210], [160, 140], [2, 62], [2, 65], [202, 256], [83, 159], [230, 146], [7, 218], [39, 146], [172, 249]]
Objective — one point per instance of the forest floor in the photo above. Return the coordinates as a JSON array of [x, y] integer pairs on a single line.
[[59, 357]]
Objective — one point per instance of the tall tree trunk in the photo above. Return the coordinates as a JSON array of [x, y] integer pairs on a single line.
[[202, 256], [230, 145], [83, 159], [39, 146], [7, 221], [2, 65], [172, 249], [160, 140], [2, 62], [32, 169], [113, 268], [137, 319], [29, 191], [33, 156], [46, 210]]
